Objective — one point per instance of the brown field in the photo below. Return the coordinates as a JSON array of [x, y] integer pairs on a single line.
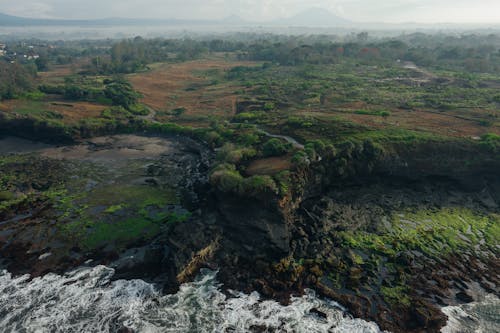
[[170, 86], [269, 166], [446, 123], [57, 73], [72, 112]]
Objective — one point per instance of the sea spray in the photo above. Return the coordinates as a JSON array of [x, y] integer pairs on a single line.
[[476, 317], [87, 300]]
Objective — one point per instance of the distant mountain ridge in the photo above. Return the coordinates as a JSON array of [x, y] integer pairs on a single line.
[[315, 17], [310, 17], [8, 20]]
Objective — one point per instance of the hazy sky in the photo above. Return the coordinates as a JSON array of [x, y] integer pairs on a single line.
[[478, 11]]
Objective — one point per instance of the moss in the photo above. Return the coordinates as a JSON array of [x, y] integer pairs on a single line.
[[397, 295], [118, 232], [134, 196], [431, 232], [114, 208], [357, 259], [6, 196], [9, 204]]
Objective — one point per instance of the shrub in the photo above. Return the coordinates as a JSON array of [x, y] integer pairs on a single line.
[[138, 109], [121, 93], [248, 139], [300, 122], [250, 116], [381, 113], [256, 185], [178, 111], [275, 147], [491, 141], [226, 178], [231, 154], [300, 159]]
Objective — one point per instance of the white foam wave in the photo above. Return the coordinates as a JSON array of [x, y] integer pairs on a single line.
[[477, 317], [86, 300]]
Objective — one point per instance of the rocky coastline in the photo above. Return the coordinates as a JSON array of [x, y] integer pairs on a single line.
[[376, 232]]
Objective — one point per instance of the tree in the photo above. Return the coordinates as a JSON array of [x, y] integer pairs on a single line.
[[42, 64]]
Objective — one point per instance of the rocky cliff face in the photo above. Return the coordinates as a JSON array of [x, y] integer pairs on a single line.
[[386, 233], [397, 233]]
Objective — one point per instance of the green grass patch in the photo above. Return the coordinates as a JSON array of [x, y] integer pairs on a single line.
[[381, 113], [431, 232], [138, 196], [396, 295]]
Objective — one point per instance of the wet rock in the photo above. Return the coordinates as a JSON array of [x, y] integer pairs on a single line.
[[318, 313], [464, 297]]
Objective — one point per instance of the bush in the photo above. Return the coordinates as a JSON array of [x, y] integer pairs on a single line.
[[300, 122], [50, 89], [300, 159], [226, 178], [178, 111], [275, 147], [381, 113], [139, 110], [250, 116], [231, 154], [491, 141], [248, 139], [256, 185], [121, 93]]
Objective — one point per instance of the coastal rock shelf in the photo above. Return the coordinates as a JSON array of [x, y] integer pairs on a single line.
[[393, 242]]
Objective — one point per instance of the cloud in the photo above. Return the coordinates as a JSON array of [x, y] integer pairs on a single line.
[[358, 10], [40, 9]]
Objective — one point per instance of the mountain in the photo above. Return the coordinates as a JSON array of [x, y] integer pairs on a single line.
[[314, 17], [8, 20]]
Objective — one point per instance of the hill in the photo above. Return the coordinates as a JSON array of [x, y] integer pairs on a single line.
[[314, 17]]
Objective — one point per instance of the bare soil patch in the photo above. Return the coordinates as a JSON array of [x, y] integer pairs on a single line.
[[172, 86]]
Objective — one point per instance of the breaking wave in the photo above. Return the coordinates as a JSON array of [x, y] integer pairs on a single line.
[[87, 300]]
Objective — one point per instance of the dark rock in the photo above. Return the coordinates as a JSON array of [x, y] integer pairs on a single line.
[[318, 313], [464, 297]]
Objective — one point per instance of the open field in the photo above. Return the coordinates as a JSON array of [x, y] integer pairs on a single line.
[[187, 87], [69, 112]]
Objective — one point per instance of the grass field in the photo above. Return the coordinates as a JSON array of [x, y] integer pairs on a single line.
[[187, 86]]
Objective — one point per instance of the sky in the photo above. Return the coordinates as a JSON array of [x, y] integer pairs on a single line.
[[392, 11]]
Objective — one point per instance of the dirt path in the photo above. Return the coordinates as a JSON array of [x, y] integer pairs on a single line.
[[287, 138]]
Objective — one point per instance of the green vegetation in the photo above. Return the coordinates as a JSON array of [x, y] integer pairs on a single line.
[[227, 179], [130, 213], [430, 232], [396, 295], [15, 79], [373, 113], [274, 147]]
